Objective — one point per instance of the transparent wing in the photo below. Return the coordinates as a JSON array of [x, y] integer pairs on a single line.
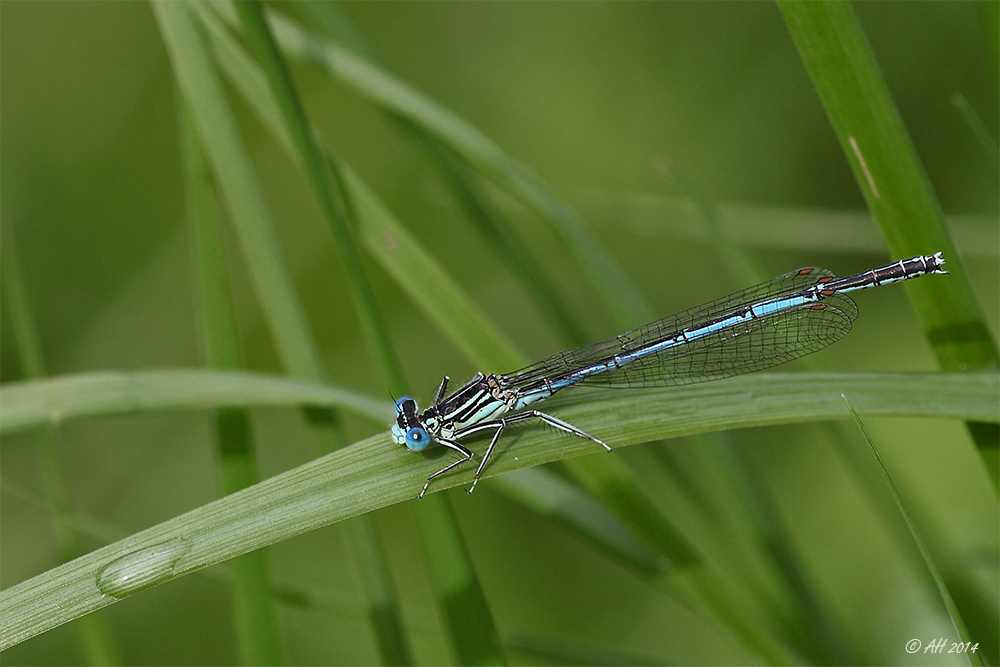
[[750, 346], [744, 348]]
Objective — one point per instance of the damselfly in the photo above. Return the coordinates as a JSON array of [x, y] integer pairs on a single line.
[[785, 318]]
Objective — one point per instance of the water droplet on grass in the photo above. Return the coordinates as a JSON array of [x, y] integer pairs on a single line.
[[141, 569]]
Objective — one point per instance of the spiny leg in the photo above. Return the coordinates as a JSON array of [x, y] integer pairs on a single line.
[[499, 425], [558, 423], [464, 451]]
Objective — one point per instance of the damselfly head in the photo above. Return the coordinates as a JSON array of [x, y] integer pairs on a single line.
[[408, 430]]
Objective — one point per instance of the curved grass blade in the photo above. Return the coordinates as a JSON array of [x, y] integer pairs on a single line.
[[30, 404], [373, 474]]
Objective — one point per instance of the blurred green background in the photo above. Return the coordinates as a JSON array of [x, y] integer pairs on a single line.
[[592, 97]]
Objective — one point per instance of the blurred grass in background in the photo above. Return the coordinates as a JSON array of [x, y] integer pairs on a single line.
[[592, 97]]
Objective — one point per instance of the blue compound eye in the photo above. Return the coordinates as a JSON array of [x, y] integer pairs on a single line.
[[401, 401], [417, 439]]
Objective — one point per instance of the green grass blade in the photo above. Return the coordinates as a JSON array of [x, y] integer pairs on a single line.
[[374, 473], [949, 603], [33, 403], [15, 293], [331, 205], [895, 186], [212, 298], [240, 192], [764, 399]]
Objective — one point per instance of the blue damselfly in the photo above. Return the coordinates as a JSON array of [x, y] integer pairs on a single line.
[[782, 319]]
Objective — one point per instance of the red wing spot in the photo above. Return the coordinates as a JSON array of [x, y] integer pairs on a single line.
[[818, 306], [806, 271], [828, 292], [824, 279]]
